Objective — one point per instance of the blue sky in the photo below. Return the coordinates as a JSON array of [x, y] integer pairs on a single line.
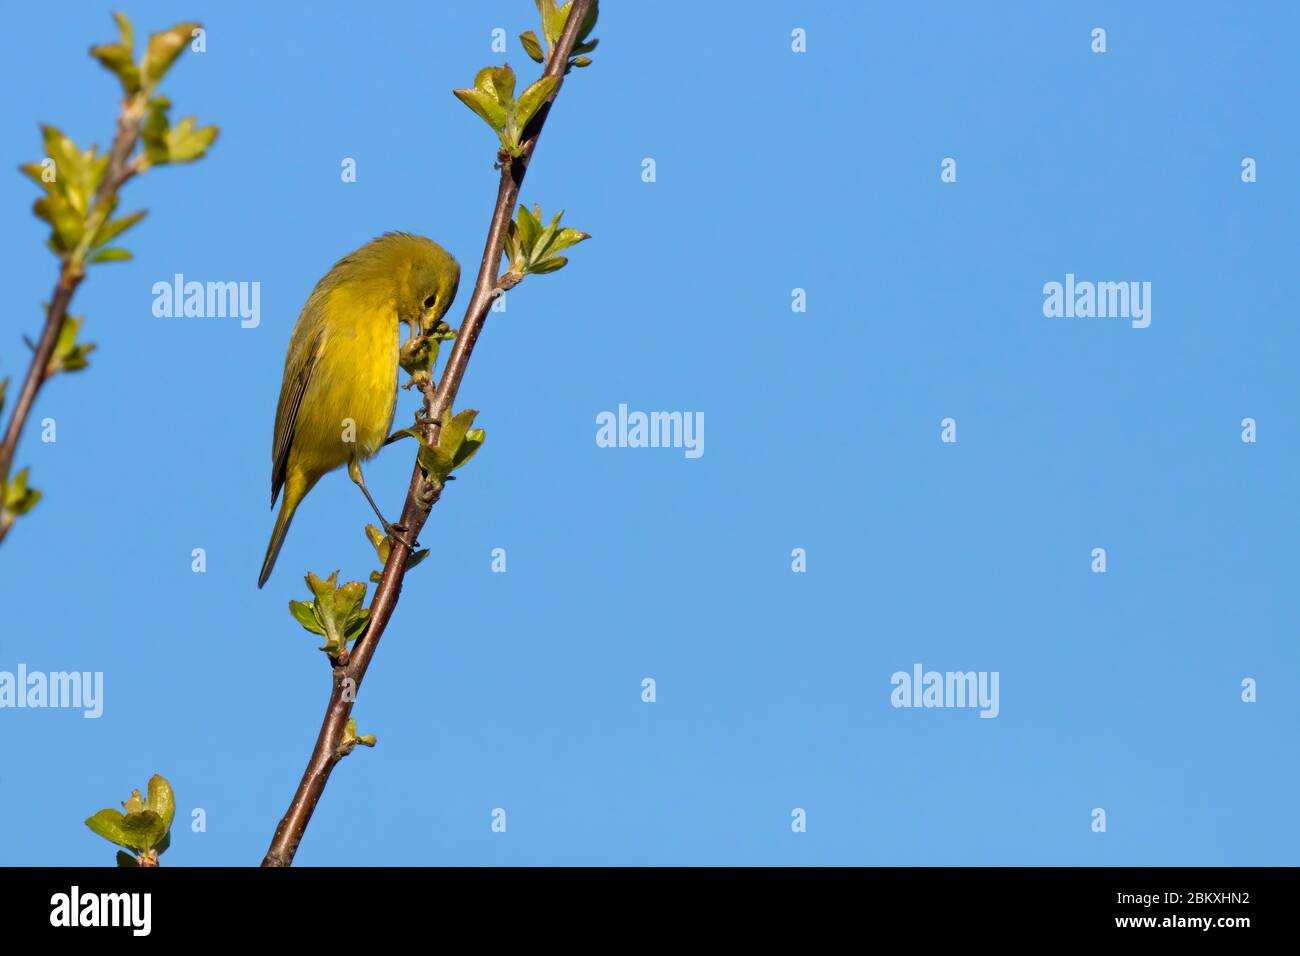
[[774, 171]]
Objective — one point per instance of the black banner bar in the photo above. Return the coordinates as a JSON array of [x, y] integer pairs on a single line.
[[342, 906]]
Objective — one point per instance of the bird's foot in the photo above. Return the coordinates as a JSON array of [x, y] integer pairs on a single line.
[[398, 533], [424, 421]]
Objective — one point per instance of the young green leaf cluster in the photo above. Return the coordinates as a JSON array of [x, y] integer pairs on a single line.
[[493, 95], [81, 223], [553, 20], [457, 443], [533, 250], [493, 98], [145, 827], [163, 143], [16, 499], [69, 354], [351, 740], [70, 178], [335, 611]]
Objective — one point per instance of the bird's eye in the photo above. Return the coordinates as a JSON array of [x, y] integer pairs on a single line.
[[428, 303]]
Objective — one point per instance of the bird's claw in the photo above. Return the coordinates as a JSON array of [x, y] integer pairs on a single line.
[[423, 420], [397, 533]]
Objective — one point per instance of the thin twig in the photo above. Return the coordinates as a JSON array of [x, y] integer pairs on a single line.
[[350, 669]]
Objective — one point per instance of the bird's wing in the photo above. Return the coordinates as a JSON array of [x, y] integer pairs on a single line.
[[297, 374]]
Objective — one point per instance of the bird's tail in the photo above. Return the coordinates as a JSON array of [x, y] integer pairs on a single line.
[[287, 507]]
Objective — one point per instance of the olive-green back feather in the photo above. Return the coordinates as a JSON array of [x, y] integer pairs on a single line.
[[298, 365]]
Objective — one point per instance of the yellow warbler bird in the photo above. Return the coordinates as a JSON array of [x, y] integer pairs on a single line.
[[340, 376]]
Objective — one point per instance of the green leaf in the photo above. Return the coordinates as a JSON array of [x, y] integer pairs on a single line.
[[485, 105], [113, 228], [543, 242], [161, 799], [552, 24], [154, 132], [483, 82], [69, 355], [379, 541], [350, 738], [564, 238], [37, 173], [67, 158], [499, 81], [76, 361], [454, 431], [356, 625], [532, 46], [67, 226], [124, 30], [434, 464], [337, 610], [188, 142], [513, 250], [457, 443], [474, 439], [532, 249], [163, 50], [532, 100], [589, 23], [304, 613], [126, 859], [383, 546], [503, 83], [561, 18], [530, 226], [184, 143], [4, 386], [581, 61], [15, 497], [144, 830], [119, 61], [108, 824], [548, 265], [111, 255]]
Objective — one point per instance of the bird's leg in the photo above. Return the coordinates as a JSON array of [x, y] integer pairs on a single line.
[[390, 529]]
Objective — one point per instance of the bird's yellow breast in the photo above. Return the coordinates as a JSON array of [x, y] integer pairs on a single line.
[[348, 407]]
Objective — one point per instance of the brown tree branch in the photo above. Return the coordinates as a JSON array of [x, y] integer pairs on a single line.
[[72, 269], [423, 493]]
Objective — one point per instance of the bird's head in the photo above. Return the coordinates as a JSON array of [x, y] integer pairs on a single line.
[[424, 276], [435, 277]]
